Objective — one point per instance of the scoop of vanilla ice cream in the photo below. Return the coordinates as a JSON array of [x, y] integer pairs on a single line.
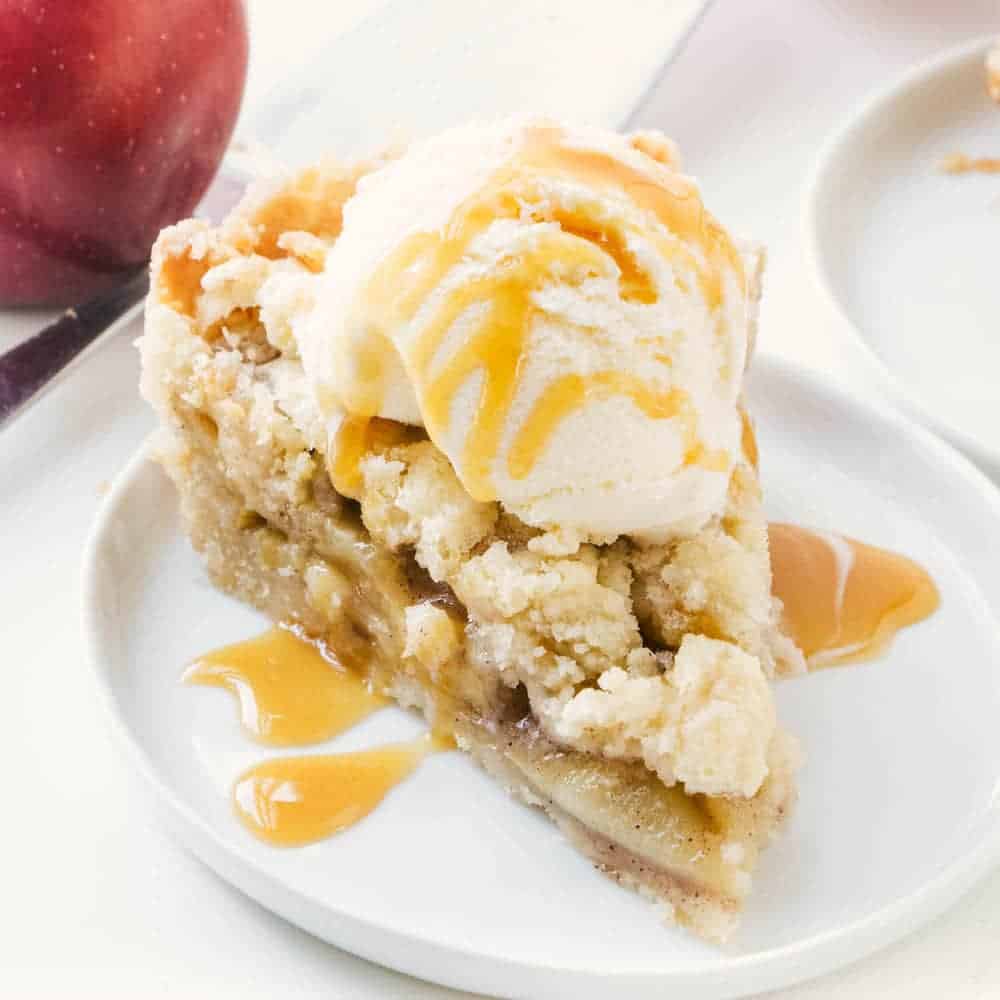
[[558, 310]]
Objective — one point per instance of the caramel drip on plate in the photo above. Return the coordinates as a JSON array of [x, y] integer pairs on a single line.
[[178, 281], [497, 309], [844, 601], [289, 693], [297, 800]]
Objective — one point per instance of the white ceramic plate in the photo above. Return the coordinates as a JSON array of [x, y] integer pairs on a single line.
[[452, 881], [910, 254]]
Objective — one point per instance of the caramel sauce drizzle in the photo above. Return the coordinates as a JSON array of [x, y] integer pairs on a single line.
[[289, 693], [569, 392], [634, 281], [501, 305], [667, 195], [959, 163], [291, 801], [178, 282], [844, 601], [748, 440], [314, 203]]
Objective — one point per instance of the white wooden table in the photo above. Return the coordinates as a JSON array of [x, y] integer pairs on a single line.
[[96, 901]]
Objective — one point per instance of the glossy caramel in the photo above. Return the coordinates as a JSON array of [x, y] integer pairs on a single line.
[[584, 243], [959, 163], [178, 281], [844, 601], [297, 800], [748, 440], [289, 693], [356, 437], [314, 204]]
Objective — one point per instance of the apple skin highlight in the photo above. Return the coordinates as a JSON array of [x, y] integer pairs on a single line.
[[114, 117]]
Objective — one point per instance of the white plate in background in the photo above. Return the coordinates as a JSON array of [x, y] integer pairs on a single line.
[[453, 881], [911, 255]]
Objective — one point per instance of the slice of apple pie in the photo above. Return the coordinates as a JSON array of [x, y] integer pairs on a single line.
[[471, 416]]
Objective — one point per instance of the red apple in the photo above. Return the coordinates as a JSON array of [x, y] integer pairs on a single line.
[[114, 116]]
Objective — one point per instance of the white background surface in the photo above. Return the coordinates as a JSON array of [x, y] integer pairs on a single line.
[[95, 899]]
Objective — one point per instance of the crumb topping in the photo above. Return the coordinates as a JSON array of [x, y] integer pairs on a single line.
[[564, 628]]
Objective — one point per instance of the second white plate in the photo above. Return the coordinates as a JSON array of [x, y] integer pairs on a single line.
[[452, 881], [910, 254]]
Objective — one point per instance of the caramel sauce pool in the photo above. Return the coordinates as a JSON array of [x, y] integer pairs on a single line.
[[844, 601], [289, 694], [291, 801]]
